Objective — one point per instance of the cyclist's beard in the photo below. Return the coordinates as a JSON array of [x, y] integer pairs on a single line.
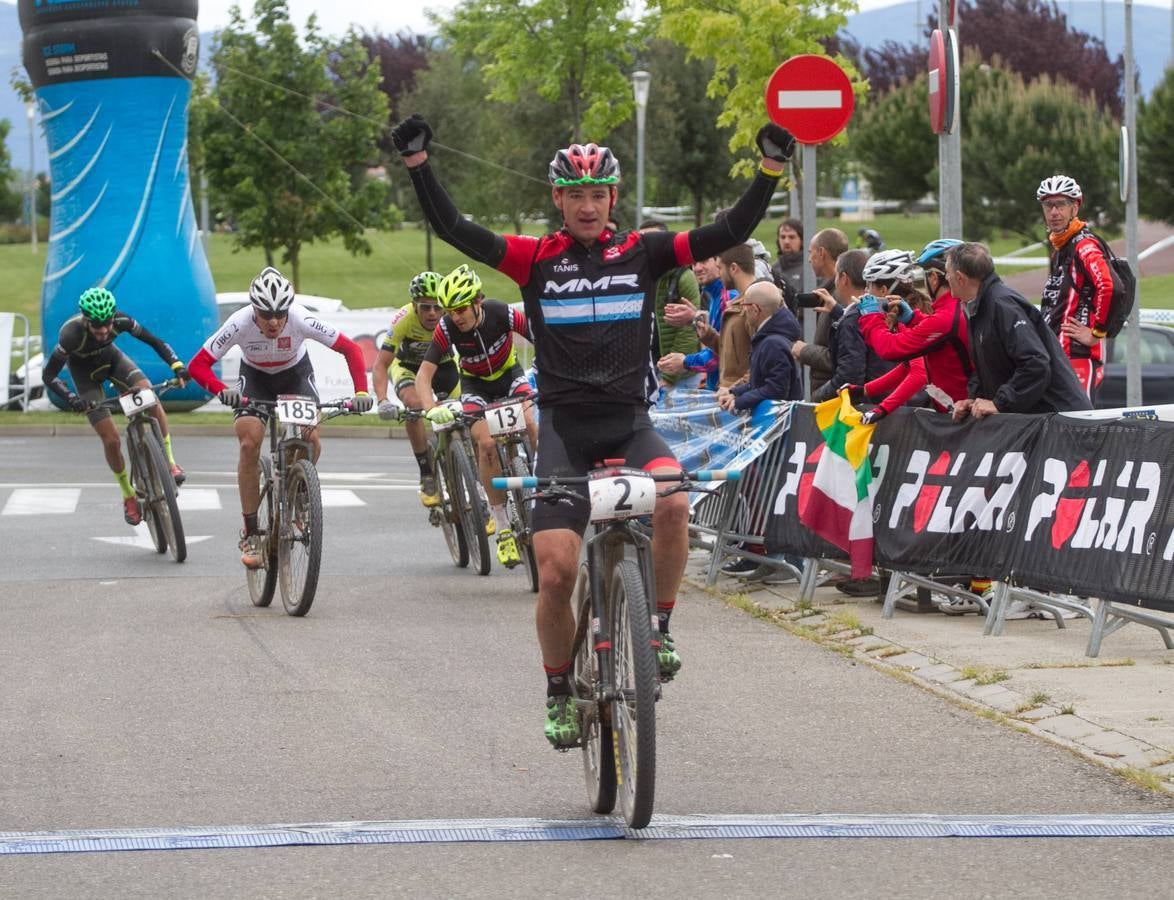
[[790, 260]]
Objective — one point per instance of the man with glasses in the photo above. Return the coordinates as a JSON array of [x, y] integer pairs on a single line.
[[86, 343], [271, 333], [1077, 294], [407, 340]]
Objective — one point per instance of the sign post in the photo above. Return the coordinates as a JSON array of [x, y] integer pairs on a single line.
[[812, 97]]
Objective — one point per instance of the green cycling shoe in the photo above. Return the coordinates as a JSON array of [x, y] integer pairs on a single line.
[[562, 721], [668, 661]]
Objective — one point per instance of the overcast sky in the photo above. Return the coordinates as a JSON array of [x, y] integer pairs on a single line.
[[334, 16]]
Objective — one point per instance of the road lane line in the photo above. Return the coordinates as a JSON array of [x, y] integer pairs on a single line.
[[41, 501]]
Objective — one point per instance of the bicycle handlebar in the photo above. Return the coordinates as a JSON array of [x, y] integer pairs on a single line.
[[333, 407], [114, 402], [522, 482]]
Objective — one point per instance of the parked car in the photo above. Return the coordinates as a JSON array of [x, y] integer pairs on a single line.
[[1157, 368]]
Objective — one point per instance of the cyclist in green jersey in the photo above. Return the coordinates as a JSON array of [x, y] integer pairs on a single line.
[[403, 348]]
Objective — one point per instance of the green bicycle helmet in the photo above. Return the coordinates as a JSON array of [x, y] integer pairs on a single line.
[[460, 287], [97, 305], [424, 285]]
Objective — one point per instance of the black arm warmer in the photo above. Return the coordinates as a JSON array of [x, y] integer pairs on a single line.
[[739, 224], [49, 374], [473, 240]]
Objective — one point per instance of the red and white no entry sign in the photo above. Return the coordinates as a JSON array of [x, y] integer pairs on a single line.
[[811, 97]]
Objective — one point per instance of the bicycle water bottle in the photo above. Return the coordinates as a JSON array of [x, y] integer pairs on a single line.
[[112, 84]]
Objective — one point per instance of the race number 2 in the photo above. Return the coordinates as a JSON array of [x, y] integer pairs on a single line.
[[627, 496]]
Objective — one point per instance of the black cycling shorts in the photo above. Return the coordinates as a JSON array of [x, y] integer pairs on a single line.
[[88, 377], [573, 439], [257, 384], [478, 393]]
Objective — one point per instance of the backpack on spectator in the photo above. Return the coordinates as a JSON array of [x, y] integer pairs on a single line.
[[1124, 283]]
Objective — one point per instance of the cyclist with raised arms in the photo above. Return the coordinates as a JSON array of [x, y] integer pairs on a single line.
[[272, 333], [481, 334], [86, 343], [408, 337], [590, 298]]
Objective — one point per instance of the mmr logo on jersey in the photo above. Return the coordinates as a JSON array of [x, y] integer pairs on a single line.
[[580, 285]]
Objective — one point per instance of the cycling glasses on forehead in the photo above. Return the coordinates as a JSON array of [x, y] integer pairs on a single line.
[[427, 307], [270, 315], [568, 182]]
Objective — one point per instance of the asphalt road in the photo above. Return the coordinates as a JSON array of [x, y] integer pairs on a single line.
[[141, 693]]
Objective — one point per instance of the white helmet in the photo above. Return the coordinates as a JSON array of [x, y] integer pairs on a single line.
[[271, 291], [889, 266], [1059, 185]]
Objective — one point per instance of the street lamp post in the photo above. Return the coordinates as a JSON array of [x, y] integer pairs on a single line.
[[641, 81], [31, 111]]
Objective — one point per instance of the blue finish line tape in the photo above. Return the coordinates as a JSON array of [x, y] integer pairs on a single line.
[[442, 831]]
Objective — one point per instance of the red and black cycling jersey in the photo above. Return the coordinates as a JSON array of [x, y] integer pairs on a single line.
[[85, 353], [1079, 286], [487, 349], [591, 309]]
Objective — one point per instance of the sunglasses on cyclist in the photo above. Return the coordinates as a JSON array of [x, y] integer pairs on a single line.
[[269, 315], [427, 307]]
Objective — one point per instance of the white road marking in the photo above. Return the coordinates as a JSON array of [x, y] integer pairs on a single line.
[[41, 501], [142, 538], [198, 498], [341, 497]]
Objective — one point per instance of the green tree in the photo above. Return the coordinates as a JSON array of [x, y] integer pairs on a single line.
[[1155, 155], [10, 199], [746, 40], [292, 134], [1015, 135], [687, 154], [575, 52], [494, 154]]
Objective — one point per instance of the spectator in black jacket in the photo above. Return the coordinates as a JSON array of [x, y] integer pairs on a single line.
[[1019, 365], [773, 373]]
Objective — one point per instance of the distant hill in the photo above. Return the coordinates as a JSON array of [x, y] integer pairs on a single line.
[[902, 23]]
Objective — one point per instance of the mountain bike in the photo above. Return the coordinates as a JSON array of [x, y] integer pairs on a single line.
[[289, 518], [461, 515], [150, 475], [616, 677], [507, 425]]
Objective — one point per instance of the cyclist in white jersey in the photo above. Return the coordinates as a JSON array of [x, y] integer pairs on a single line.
[[272, 334]]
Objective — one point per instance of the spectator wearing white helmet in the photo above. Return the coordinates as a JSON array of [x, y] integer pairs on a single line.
[[1077, 294], [271, 333]]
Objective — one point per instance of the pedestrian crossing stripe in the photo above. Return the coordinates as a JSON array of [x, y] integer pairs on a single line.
[[64, 501], [41, 502]]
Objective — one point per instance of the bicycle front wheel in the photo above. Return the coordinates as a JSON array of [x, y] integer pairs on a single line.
[[635, 681], [263, 582], [162, 503], [448, 514], [143, 481], [299, 549], [520, 514], [470, 507], [599, 768]]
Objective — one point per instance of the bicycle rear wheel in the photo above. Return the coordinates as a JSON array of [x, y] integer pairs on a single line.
[[299, 549], [635, 681], [263, 582], [447, 514], [519, 511], [470, 508], [144, 485], [599, 767], [162, 502]]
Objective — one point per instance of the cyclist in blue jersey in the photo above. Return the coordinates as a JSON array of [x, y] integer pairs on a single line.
[[590, 298]]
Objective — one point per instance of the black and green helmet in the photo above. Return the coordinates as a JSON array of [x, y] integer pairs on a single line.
[[424, 285], [97, 305], [460, 287]]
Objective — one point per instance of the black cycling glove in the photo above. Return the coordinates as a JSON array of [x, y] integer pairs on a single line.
[[775, 142], [411, 135]]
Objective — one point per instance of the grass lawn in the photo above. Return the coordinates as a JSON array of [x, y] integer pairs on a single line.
[[381, 279]]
